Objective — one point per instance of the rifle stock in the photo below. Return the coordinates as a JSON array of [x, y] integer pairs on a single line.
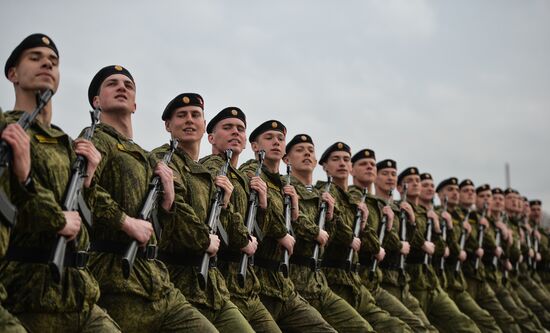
[[284, 265], [356, 230], [315, 262]]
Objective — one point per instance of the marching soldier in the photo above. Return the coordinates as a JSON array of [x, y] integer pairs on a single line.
[[542, 264], [278, 294], [310, 281], [145, 301], [227, 130], [195, 185], [364, 172], [342, 274], [35, 298]]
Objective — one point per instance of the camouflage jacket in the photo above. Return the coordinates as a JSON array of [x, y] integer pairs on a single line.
[[188, 233], [30, 286], [493, 274], [513, 252], [455, 281], [237, 232], [273, 283], [122, 178]]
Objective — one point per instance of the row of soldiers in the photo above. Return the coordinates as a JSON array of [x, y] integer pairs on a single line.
[[236, 247]]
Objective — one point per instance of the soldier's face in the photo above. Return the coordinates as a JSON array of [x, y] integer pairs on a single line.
[[510, 202], [413, 186], [536, 213], [187, 124], [36, 69], [526, 208], [302, 157], [467, 195], [229, 133], [338, 165], [117, 93], [386, 179], [451, 191], [273, 142], [482, 198], [364, 170], [497, 204], [427, 190]]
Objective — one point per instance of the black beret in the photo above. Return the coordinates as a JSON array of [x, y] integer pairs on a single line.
[[229, 112], [483, 188], [510, 190], [104, 73], [446, 182], [535, 203], [497, 190], [525, 199], [34, 40], [386, 164], [299, 138], [426, 176], [270, 125], [465, 182], [363, 153], [337, 146], [185, 99], [407, 172]]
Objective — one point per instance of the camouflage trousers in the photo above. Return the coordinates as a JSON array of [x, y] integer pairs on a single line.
[[95, 320], [536, 290], [443, 312], [467, 305], [172, 313], [295, 314], [9, 323], [530, 302], [256, 314], [227, 319]]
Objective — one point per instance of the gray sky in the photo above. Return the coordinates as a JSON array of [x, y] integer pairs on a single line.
[[456, 88]]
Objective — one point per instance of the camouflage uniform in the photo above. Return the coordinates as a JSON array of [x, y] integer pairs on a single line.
[[288, 308], [411, 313], [41, 304], [184, 244], [348, 284], [476, 284], [437, 304], [8, 322], [527, 321], [246, 297], [456, 282], [147, 301], [543, 267], [312, 283]]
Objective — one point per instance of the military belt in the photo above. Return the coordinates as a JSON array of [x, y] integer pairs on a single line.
[[269, 264], [299, 260], [183, 259], [340, 265], [230, 256], [76, 259], [119, 249]]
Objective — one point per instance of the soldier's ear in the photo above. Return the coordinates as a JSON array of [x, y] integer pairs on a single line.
[[12, 75], [95, 102], [167, 126], [211, 138], [285, 159], [255, 147]]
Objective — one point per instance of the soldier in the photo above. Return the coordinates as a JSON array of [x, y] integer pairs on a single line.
[[227, 130], [364, 172], [310, 281], [288, 308], [41, 304], [542, 266], [477, 285], [456, 287], [343, 279], [146, 301], [436, 303], [196, 187]]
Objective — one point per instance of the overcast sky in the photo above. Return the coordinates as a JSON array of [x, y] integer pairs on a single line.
[[456, 88]]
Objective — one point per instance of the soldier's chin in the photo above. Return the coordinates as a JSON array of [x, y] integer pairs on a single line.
[[44, 86]]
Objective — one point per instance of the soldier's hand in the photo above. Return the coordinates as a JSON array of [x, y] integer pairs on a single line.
[[468, 227], [405, 248], [538, 256], [462, 255], [364, 214], [537, 234], [287, 242], [380, 255], [322, 237], [329, 199], [257, 184], [93, 156], [291, 191], [252, 246], [531, 253], [72, 225], [431, 214], [528, 227], [225, 184], [520, 258], [508, 265], [484, 222], [498, 251], [386, 210], [409, 210], [510, 239], [480, 252], [428, 247], [137, 229], [447, 252], [448, 219], [19, 142], [355, 244], [167, 179], [503, 229]]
